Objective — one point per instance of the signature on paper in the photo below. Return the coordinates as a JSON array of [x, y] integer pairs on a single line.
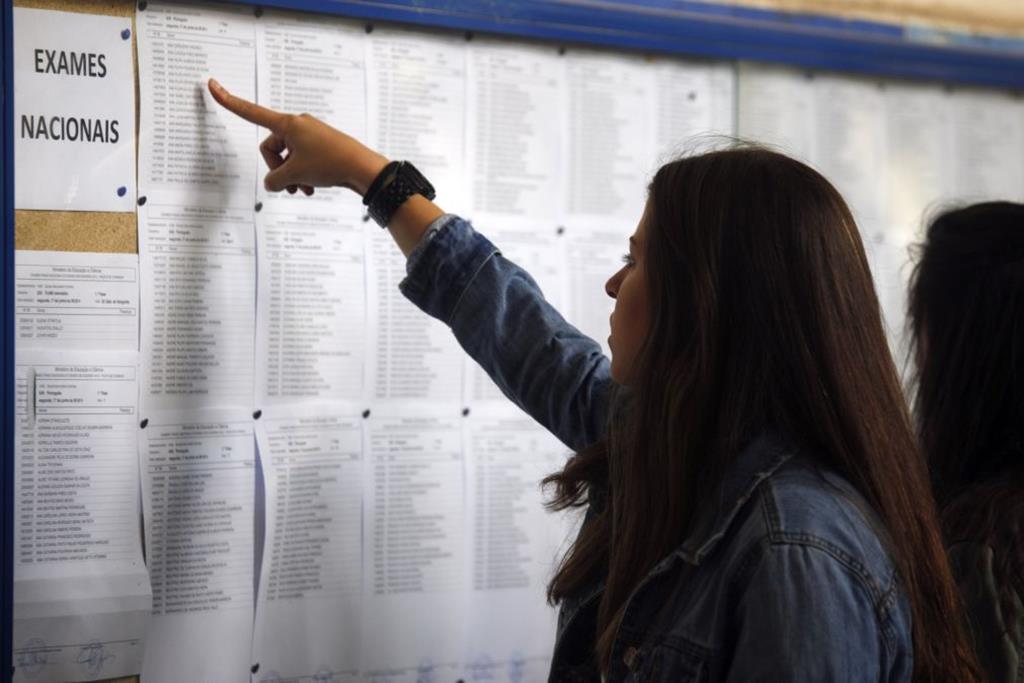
[[517, 668], [33, 656], [91, 657], [425, 672], [481, 669]]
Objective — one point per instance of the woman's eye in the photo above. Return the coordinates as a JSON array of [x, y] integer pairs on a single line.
[[627, 259]]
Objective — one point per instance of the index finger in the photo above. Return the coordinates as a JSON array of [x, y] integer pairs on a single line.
[[250, 111]]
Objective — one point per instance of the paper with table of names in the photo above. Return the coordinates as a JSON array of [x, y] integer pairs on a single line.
[[415, 551], [315, 65], [68, 299], [416, 110], [416, 106], [513, 545], [312, 300], [196, 239], [309, 607], [197, 492], [81, 594], [192, 151], [198, 307], [513, 132]]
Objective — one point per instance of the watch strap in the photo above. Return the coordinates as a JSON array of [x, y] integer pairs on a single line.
[[385, 176], [394, 189]]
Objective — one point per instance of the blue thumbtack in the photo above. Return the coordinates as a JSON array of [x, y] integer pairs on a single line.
[[122, 191], [126, 34]]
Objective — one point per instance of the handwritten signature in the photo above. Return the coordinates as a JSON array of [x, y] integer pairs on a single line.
[[33, 657], [92, 656]]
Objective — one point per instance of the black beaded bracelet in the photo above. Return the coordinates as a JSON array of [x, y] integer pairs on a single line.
[[386, 175], [392, 188]]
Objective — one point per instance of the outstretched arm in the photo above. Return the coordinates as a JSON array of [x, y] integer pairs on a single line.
[[304, 152], [555, 373]]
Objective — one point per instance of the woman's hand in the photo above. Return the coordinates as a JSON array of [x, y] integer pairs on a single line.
[[303, 151]]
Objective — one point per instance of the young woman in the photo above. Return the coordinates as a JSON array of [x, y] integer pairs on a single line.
[[967, 319], [756, 506]]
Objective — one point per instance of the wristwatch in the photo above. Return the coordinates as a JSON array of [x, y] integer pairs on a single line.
[[392, 187]]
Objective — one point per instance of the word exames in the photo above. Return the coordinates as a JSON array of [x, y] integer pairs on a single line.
[[69, 63]]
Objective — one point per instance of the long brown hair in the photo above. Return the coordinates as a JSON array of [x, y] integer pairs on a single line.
[[764, 316], [967, 325]]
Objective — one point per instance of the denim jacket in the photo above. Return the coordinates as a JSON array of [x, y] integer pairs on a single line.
[[784, 577]]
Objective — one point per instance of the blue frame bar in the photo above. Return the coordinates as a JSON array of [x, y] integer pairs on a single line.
[[7, 342], [694, 28]]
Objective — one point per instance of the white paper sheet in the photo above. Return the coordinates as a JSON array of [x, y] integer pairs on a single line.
[[988, 143], [310, 311], [920, 169], [919, 136], [198, 307], [593, 254], [514, 547], [723, 78], [695, 103], [850, 144], [315, 65], [889, 252], [81, 593], [191, 150], [414, 550], [609, 154], [776, 107], [197, 492], [309, 611], [415, 358], [513, 136], [74, 109], [416, 105], [69, 300]]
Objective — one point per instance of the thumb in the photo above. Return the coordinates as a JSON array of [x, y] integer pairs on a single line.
[[280, 178]]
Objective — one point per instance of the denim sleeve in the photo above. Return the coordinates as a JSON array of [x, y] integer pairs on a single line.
[[805, 615], [546, 366]]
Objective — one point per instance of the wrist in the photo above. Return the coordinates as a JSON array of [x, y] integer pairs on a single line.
[[367, 168]]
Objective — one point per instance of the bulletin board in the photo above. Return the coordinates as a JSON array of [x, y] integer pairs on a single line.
[[654, 27]]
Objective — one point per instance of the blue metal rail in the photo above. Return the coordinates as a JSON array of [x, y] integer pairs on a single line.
[[694, 28]]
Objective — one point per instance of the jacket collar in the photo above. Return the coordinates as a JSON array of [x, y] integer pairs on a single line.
[[758, 461]]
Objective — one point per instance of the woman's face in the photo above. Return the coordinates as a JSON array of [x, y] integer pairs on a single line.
[[629, 320]]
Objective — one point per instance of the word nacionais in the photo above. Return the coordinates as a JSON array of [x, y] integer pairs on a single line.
[[69, 128]]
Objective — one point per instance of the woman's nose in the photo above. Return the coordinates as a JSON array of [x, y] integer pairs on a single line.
[[611, 288]]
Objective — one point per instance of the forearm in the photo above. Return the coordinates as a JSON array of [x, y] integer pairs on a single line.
[[545, 365]]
